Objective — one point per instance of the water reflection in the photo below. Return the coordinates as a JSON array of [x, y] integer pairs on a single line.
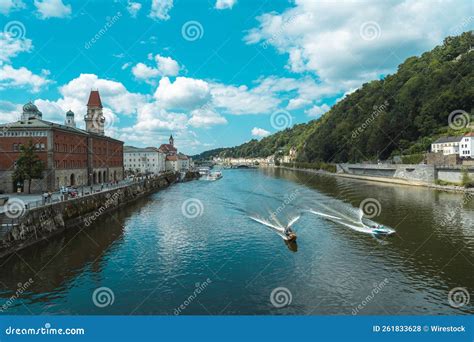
[[151, 255]]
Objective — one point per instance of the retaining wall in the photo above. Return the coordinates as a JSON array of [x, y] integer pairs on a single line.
[[40, 223]]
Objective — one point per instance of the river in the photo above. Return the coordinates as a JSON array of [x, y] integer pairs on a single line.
[[193, 249]]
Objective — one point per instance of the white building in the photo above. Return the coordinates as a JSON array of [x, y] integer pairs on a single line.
[[147, 160], [466, 149], [172, 163], [183, 162], [447, 145]]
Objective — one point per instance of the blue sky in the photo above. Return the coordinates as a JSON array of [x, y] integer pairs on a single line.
[[213, 73]]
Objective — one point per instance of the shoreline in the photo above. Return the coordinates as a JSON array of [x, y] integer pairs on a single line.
[[39, 224], [397, 181]]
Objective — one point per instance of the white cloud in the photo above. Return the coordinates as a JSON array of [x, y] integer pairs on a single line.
[[330, 40], [113, 94], [224, 4], [297, 103], [259, 132], [9, 112], [242, 100], [317, 111], [184, 93], [133, 8], [11, 46], [143, 72], [126, 65], [7, 6], [160, 9], [206, 117], [167, 66], [52, 9], [22, 78]]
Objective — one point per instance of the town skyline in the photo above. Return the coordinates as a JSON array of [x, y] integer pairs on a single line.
[[212, 78]]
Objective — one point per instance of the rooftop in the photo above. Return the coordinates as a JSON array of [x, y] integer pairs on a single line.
[[94, 99], [443, 140]]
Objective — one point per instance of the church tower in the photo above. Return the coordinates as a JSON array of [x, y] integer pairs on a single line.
[[94, 118], [171, 140], [70, 119]]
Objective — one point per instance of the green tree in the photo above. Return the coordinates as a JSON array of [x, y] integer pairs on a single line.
[[466, 180], [28, 166]]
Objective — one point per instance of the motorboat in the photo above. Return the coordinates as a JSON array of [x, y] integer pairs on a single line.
[[214, 176], [381, 230], [291, 237]]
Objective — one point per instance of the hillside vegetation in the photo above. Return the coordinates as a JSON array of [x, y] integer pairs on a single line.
[[398, 115]]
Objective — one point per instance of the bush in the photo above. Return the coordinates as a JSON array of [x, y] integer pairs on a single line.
[[466, 181], [413, 158], [315, 166]]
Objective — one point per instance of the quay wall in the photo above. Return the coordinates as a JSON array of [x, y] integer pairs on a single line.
[[41, 223], [418, 173]]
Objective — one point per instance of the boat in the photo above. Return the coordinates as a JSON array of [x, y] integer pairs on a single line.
[[381, 230], [291, 237], [204, 170], [214, 176]]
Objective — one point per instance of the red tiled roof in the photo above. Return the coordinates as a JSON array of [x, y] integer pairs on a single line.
[[94, 99], [470, 134], [172, 158], [167, 148]]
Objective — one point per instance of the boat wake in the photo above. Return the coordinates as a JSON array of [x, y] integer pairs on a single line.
[[361, 224], [276, 225]]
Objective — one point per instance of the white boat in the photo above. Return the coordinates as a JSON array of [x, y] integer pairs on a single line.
[[214, 176], [204, 170]]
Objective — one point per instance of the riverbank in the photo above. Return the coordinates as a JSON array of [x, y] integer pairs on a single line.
[[41, 223], [449, 188]]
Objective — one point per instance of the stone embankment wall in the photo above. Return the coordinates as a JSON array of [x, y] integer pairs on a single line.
[[40, 223], [414, 173]]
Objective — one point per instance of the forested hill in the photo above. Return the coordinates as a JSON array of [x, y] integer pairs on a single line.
[[401, 114]]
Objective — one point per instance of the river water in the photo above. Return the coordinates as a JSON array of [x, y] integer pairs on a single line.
[[194, 249]]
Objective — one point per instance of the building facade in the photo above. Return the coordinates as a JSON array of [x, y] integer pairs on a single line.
[[174, 161], [149, 160], [466, 149], [72, 156], [446, 145]]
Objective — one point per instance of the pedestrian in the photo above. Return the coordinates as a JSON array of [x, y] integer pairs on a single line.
[[50, 196], [45, 197]]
